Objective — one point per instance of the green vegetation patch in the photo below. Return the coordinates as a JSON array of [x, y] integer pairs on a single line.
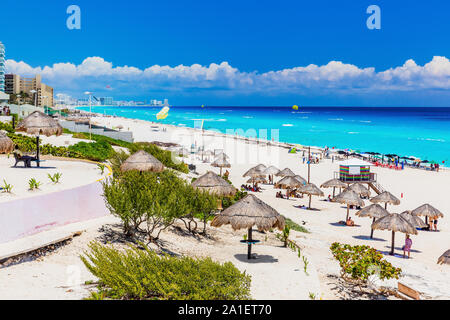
[[136, 274]]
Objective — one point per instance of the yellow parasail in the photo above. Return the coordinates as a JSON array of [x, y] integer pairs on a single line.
[[163, 113], [295, 107]]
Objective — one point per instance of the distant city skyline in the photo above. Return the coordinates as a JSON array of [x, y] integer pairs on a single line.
[[238, 53]]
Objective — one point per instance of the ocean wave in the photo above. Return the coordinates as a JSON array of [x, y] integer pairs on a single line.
[[365, 121], [336, 119], [352, 132], [431, 139], [211, 120], [287, 125], [247, 117]]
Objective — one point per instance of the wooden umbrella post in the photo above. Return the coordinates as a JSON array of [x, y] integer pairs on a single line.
[[249, 245], [348, 211], [37, 151], [371, 230], [392, 246], [309, 206]]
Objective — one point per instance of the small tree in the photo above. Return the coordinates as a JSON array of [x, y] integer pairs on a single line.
[[359, 262]]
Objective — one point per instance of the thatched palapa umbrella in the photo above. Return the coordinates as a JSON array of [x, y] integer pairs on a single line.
[[415, 221], [38, 123], [445, 258], [212, 183], [142, 161], [385, 197], [6, 144], [311, 190], [360, 189], [221, 162], [395, 223], [427, 210], [260, 167], [285, 173], [301, 179], [254, 172], [374, 211], [334, 183], [288, 183], [350, 198], [270, 171], [248, 212]]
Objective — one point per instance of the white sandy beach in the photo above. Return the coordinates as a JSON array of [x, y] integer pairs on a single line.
[[279, 273]]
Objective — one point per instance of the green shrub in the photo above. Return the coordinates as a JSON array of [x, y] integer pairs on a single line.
[[142, 274], [33, 184], [55, 178], [7, 187], [157, 199], [96, 151], [359, 262]]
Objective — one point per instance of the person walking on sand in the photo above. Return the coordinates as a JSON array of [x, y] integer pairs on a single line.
[[407, 246]]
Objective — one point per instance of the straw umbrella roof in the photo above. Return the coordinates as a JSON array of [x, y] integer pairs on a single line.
[[142, 161], [253, 172], [257, 180], [288, 182], [360, 189], [221, 162], [386, 197], [6, 144], [394, 222], [285, 173], [415, 221], [300, 179], [349, 197], [334, 183], [260, 167], [427, 210], [310, 189], [445, 258], [213, 183], [271, 170], [222, 154], [374, 211], [39, 123], [248, 212]]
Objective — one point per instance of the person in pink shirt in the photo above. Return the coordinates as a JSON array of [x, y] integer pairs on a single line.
[[407, 246]]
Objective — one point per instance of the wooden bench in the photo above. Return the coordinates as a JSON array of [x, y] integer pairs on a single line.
[[408, 291], [26, 161]]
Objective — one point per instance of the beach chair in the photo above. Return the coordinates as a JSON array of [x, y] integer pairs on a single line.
[[26, 160]]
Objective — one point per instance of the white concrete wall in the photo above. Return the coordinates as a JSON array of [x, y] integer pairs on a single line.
[[24, 217]]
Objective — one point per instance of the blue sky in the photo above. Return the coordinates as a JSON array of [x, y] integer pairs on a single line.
[[237, 52]]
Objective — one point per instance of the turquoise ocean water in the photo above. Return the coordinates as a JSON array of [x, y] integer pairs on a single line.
[[420, 132]]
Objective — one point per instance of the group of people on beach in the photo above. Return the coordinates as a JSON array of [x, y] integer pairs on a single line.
[[247, 187]]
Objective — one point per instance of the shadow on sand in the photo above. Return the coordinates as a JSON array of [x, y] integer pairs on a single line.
[[306, 208], [361, 237], [259, 258], [41, 167], [337, 224]]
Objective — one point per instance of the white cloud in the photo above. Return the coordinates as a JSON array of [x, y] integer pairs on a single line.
[[95, 72]]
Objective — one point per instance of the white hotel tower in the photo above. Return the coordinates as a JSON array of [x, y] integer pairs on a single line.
[[2, 67]]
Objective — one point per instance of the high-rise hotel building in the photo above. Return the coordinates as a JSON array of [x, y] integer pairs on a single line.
[[2, 67]]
